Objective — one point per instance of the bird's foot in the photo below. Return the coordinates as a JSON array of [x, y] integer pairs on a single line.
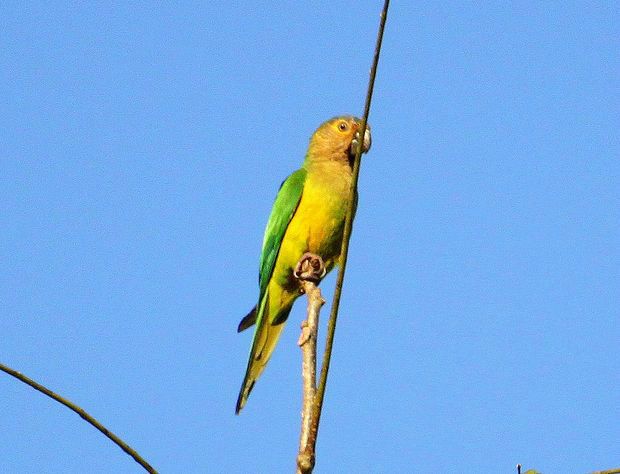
[[310, 268]]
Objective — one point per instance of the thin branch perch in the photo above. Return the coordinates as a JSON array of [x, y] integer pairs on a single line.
[[309, 271], [83, 414]]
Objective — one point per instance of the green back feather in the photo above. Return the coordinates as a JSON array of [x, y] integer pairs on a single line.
[[283, 210]]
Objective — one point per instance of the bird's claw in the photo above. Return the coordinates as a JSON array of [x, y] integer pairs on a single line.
[[310, 268]]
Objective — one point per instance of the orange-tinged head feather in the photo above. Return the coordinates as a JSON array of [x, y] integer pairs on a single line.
[[332, 140]]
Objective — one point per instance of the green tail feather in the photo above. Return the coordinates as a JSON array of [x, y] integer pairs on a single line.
[[263, 343]]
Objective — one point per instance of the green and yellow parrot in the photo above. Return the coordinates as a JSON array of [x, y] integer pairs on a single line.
[[308, 216]]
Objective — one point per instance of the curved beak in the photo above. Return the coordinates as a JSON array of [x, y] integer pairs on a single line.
[[365, 144]]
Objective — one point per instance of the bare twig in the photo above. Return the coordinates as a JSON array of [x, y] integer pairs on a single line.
[[85, 416], [331, 326], [309, 271]]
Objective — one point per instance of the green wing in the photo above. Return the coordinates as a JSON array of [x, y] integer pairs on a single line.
[[283, 210]]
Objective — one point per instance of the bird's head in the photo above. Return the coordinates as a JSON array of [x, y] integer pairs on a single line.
[[337, 140]]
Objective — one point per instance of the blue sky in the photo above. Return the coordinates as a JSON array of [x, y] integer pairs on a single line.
[[142, 145]]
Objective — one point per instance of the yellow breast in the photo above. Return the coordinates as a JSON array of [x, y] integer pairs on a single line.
[[318, 222]]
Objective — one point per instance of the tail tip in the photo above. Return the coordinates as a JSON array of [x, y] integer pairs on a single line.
[[243, 396], [241, 400]]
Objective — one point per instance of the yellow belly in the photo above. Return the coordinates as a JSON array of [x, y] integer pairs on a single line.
[[316, 227]]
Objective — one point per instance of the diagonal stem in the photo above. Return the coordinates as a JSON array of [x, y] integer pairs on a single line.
[[331, 326], [85, 416]]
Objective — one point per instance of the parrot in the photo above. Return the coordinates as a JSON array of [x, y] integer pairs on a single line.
[[308, 216]]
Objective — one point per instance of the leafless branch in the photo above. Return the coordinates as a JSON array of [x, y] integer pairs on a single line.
[[83, 414], [309, 271]]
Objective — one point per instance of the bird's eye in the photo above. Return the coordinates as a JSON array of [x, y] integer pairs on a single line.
[[342, 126]]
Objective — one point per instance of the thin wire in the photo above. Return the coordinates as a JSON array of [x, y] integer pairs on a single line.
[[331, 325], [88, 418]]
